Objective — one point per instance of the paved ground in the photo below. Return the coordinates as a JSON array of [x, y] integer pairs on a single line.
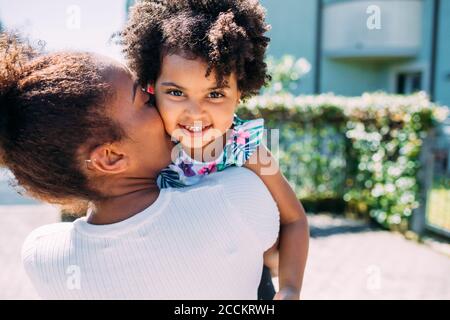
[[16, 222], [347, 260]]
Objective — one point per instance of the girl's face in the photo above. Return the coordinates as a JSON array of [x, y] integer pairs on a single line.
[[194, 110]]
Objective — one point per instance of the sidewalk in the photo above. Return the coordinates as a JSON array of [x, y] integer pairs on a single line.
[[347, 260], [16, 222]]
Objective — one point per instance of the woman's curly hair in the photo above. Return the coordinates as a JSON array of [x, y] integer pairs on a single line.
[[51, 106], [227, 34]]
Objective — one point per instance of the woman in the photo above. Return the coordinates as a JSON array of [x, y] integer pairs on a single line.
[[77, 128]]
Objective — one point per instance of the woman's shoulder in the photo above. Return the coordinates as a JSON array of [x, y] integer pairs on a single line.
[[49, 230], [235, 182], [233, 176], [43, 248], [47, 233], [250, 197], [242, 183]]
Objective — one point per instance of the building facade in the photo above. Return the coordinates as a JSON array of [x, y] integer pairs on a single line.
[[356, 46]]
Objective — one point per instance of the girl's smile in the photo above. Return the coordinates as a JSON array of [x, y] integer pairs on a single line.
[[197, 129]]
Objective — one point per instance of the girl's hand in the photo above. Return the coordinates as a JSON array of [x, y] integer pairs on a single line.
[[287, 293]]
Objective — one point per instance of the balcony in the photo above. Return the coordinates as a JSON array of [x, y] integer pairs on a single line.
[[372, 29]]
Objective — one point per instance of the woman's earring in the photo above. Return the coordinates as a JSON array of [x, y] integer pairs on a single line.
[[89, 164]]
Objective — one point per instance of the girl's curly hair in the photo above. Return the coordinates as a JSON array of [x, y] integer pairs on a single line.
[[51, 106], [227, 34]]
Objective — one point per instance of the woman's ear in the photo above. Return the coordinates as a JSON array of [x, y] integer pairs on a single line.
[[108, 159]]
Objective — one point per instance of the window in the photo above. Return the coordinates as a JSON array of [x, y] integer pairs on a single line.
[[408, 82]]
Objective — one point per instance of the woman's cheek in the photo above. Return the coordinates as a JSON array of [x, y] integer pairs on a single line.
[[168, 119]]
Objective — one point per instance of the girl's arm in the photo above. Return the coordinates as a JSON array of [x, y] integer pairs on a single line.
[[294, 231]]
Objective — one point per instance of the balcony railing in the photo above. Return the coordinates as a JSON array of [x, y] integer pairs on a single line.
[[372, 29]]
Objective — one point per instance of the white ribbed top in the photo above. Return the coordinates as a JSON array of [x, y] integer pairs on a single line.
[[201, 242]]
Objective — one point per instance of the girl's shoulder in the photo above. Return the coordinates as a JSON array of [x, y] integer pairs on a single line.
[[239, 124], [243, 140]]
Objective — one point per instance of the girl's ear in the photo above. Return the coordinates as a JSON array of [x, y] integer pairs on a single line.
[[107, 159]]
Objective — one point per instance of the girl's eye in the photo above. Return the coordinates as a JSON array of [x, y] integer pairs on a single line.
[[215, 95], [175, 93]]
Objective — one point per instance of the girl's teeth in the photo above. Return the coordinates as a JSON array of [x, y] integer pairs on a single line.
[[195, 129]]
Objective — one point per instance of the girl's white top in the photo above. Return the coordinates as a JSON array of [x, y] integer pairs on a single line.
[[201, 242]]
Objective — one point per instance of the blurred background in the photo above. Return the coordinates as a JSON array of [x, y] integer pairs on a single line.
[[359, 95]]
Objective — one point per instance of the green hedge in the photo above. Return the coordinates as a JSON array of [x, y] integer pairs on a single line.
[[362, 150]]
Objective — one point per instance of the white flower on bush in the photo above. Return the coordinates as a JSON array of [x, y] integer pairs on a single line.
[[405, 182], [407, 212], [407, 148], [302, 67], [394, 171], [378, 156], [377, 167], [390, 188], [277, 86], [407, 197], [394, 219], [378, 190], [402, 160], [379, 215]]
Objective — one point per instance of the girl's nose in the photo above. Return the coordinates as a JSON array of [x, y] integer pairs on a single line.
[[195, 108]]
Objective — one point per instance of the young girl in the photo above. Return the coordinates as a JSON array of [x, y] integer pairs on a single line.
[[200, 58]]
